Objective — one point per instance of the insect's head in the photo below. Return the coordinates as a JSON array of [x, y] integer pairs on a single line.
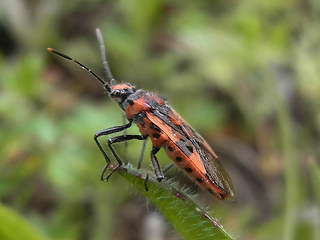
[[120, 92]]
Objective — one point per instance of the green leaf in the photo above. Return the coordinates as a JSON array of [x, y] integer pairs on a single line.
[[315, 178], [14, 227], [191, 221]]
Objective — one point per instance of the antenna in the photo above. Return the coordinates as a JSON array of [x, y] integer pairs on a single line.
[[105, 84], [111, 80]]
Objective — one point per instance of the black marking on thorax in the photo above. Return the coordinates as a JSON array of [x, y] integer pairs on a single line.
[[156, 135], [138, 118], [130, 102], [136, 95]]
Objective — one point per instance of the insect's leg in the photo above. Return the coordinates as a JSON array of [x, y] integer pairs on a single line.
[[142, 153], [118, 139], [145, 183], [168, 168], [105, 132], [125, 143], [155, 163]]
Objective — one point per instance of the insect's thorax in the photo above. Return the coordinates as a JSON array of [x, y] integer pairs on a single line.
[[141, 101]]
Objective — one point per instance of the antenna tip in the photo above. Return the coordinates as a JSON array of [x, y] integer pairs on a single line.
[[50, 49]]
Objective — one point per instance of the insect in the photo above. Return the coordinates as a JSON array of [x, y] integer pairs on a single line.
[[157, 120]]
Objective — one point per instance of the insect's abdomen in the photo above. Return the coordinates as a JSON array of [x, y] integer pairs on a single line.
[[187, 160], [183, 155], [192, 170]]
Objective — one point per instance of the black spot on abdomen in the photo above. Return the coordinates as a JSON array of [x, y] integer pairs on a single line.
[[199, 180], [156, 135], [130, 102], [210, 191]]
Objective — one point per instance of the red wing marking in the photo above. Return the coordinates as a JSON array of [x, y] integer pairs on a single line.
[[174, 137], [204, 158], [214, 168], [193, 134]]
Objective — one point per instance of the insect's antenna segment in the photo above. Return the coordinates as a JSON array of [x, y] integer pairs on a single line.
[[111, 80], [105, 84]]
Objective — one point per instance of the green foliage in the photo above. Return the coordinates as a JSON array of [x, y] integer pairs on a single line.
[[13, 227], [184, 214]]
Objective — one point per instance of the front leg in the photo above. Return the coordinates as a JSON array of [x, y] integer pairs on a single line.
[[106, 132], [118, 139]]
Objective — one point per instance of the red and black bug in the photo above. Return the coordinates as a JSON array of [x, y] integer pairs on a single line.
[[156, 119]]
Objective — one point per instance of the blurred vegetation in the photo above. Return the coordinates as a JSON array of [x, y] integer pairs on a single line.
[[245, 74], [191, 220]]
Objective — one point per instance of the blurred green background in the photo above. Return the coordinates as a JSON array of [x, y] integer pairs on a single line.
[[244, 74]]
